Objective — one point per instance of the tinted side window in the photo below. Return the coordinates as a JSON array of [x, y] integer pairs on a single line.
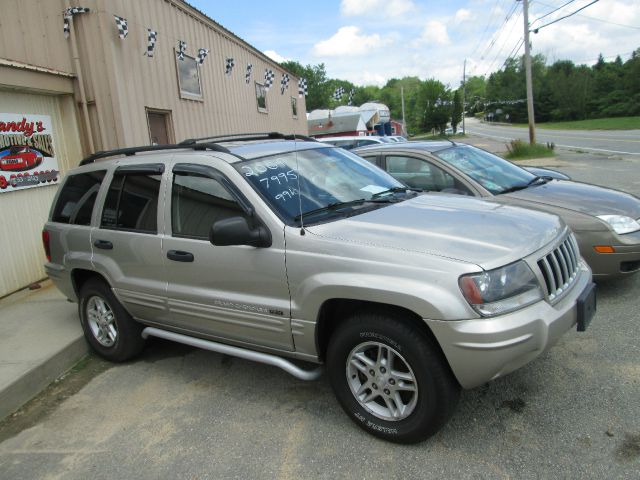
[[418, 173], [77, 198], [132, 203], [198, 201]]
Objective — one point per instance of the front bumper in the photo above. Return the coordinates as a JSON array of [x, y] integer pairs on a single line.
[[483, 349], [625, 261]]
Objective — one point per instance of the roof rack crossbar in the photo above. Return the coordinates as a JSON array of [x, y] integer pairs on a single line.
[[249, 136], [151, 148]]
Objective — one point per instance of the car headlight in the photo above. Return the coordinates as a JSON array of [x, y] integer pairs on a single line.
[[621, 223], [502, 290]]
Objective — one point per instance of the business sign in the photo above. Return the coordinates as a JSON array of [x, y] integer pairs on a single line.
[[27, 154]]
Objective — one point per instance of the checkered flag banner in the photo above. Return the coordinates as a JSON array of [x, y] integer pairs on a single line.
[[228, 68], [351, 94], [121, 23], [67, 16], [302, 87], [337, 95], [202, 54], [182, 47], [284, 83], [247, 75], [268, 78], [151, 42]]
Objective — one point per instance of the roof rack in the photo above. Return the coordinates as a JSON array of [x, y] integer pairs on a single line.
[[249, 136], [151, 148]]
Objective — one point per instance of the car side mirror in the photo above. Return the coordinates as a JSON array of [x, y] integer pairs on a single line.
[[236, 231]]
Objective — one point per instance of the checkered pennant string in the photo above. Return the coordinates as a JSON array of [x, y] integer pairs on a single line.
[[67, 16], [247, 75], [337, 95], [268, 78], [182, 47], [121, 23], [151, 42], [230, 63], [302, 87], [202, 54], [284, 83], [351, 94]]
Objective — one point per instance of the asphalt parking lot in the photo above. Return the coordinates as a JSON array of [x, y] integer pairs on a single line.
[[179, 412]]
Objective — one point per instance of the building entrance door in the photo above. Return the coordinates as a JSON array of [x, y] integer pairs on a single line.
[[159, 127]]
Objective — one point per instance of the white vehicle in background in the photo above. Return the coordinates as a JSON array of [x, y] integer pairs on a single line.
[[349, 142]]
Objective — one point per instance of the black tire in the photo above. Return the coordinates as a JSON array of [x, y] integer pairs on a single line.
[[416, 353], [127, 341]]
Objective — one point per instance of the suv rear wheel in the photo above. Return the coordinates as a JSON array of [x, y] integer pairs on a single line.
[[390, 377], [107, 326]]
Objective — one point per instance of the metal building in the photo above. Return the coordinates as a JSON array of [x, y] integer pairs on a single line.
[[91, 81]]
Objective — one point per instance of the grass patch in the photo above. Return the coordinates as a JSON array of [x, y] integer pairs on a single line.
[[519, 150], [618, 123]]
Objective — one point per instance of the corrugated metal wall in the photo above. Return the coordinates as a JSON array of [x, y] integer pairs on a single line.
[[23, 213], [31, 32], [123, 82]]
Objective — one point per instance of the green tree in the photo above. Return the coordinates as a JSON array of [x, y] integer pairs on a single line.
[[319, 94]]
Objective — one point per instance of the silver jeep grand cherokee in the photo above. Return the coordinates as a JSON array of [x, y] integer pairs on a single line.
[[272, 246]]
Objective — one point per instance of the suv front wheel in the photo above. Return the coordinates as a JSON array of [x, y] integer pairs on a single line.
[[390, 377], [107, 326]]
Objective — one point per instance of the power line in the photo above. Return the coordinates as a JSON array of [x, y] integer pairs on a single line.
[[499, 31], [552, 11], [597, 19], [486, 28], [503, 45], [536, 30]]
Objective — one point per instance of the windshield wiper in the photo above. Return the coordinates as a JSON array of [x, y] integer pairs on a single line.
[[394, 190], [330, 207], [515, 188]]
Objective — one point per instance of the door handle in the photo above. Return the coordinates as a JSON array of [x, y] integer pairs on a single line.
[[180, 256], [103, 244]]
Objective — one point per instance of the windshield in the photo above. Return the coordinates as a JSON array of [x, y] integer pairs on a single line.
[[319, 181], [492, 172]]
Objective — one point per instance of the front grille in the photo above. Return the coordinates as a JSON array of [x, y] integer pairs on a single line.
[[560, 268]]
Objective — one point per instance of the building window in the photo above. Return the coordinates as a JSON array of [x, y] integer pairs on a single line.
[[189, 78], [261, 97], [294, 107]]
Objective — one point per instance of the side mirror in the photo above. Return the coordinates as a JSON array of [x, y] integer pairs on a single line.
[[236, 231]]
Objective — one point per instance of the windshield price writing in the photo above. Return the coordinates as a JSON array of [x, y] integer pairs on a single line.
[[274, 177]]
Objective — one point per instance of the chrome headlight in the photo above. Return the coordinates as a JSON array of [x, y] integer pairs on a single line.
[[621, 223], [502, 290]]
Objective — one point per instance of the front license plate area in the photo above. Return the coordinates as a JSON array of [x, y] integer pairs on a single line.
[[586, 306]]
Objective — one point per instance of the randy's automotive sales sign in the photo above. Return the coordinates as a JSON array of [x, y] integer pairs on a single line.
[[27, 155]]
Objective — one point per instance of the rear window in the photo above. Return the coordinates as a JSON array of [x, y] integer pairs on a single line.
[[77, 198]]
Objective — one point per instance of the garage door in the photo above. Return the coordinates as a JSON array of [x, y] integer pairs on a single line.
[[32, 126]]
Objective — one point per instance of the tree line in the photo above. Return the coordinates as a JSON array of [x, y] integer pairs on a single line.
[[562, 91]]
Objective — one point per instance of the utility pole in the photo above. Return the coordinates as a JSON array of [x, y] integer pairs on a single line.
[[464, 91], [404, 125], [527, 66]]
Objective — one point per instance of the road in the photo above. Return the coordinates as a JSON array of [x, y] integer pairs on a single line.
[[602, 141]]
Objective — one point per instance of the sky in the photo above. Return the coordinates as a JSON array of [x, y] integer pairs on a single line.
[[369, 42]]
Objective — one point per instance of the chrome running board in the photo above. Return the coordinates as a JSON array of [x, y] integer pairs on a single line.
[[260, 357]]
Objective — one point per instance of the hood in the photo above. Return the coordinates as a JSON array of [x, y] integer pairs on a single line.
[[581, 197], [465, 229]]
